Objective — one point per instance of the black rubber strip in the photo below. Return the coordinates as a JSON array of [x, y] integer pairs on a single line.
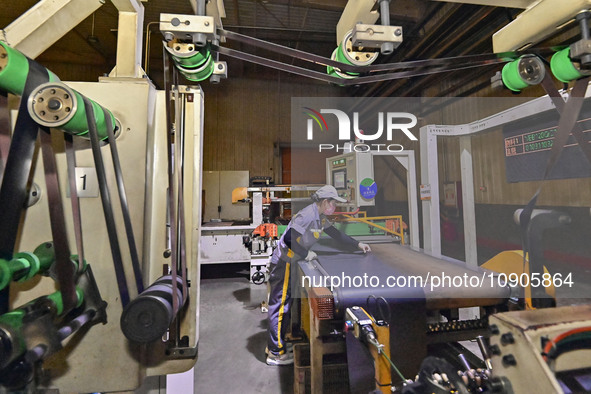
[[171, 210], [180, 197], [74, 200], [13, 192], [490, 58], [558, 101], [4, 132], [64, 268], [135, 260], [106, 200], [569, 114]]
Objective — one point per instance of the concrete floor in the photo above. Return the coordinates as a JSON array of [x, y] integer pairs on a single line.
[[232, 335]]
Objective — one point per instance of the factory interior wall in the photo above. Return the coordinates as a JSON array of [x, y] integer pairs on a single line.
[[248, 121], [496, 199]]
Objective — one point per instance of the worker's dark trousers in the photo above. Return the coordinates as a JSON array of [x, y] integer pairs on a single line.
[[279, 304]]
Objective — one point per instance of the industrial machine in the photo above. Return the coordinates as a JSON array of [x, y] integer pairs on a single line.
[[132, 284], [103, 257], [405, 294], [352, 174]]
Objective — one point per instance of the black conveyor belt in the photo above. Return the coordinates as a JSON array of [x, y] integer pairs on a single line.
[[356, 277], [360, 268]]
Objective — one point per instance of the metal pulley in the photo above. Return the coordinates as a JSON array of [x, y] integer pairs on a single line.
[[347, 53], [54, 104], [147, 318], [526, 71]]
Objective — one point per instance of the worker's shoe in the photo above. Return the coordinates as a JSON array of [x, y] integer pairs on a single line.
[[288, 348], [280, 359]]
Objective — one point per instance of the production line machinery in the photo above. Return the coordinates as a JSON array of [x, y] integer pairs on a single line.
[[403, 334], [134, 314]]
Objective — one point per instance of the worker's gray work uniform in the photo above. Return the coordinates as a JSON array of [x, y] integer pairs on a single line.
[[310, 224]]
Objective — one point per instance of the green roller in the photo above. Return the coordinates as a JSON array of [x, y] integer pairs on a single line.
[[341, 57], [563, 68], [78, 124], [58, 302], [335, 72], [14, 70], [193, 61], [526, 71], [23, 265], [194, 65], [26, 265], [55, 104], [200, 73]]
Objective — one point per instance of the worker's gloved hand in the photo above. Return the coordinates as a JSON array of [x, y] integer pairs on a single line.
[[364, 247], [311, 256]]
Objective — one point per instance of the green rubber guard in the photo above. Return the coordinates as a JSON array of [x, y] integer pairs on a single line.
[[563, 68], [57, 300], [78, 124], [511, 77], [14, 76], [338, 55], [198, 74], [194, 61]]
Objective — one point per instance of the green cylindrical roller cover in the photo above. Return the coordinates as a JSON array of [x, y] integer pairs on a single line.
[[58, 302], [198, 74], [335, 72], [187, 55], [55, 104], [526, 71], [193, 61], [14, 70], [46, 255], [563, 68]]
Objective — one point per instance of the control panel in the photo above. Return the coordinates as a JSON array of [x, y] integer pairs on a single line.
[[352, 175]]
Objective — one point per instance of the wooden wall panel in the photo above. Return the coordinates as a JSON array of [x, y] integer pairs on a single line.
[[247, 121], [490, 182]]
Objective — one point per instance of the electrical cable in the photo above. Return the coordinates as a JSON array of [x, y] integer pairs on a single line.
[[379, 312], [578, 338], [391, 363]]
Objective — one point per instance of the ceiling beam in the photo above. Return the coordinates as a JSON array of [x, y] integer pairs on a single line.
[[46, 22], [496, 3]]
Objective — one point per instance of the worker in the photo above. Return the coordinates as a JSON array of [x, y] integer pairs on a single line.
[[302, 232]]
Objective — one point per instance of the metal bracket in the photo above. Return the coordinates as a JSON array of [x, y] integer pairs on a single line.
[[182, 352], [220, 70], [373, 36], [187, 27]]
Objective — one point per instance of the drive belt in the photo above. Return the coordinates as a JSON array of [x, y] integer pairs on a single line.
[[179, 165], [170, 198], [176, 211], [74, 200], [558, 102], [106, 202], [372, 78], [64, 268], [13, 192], [4, 132], [135, 261], [569, 113]]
